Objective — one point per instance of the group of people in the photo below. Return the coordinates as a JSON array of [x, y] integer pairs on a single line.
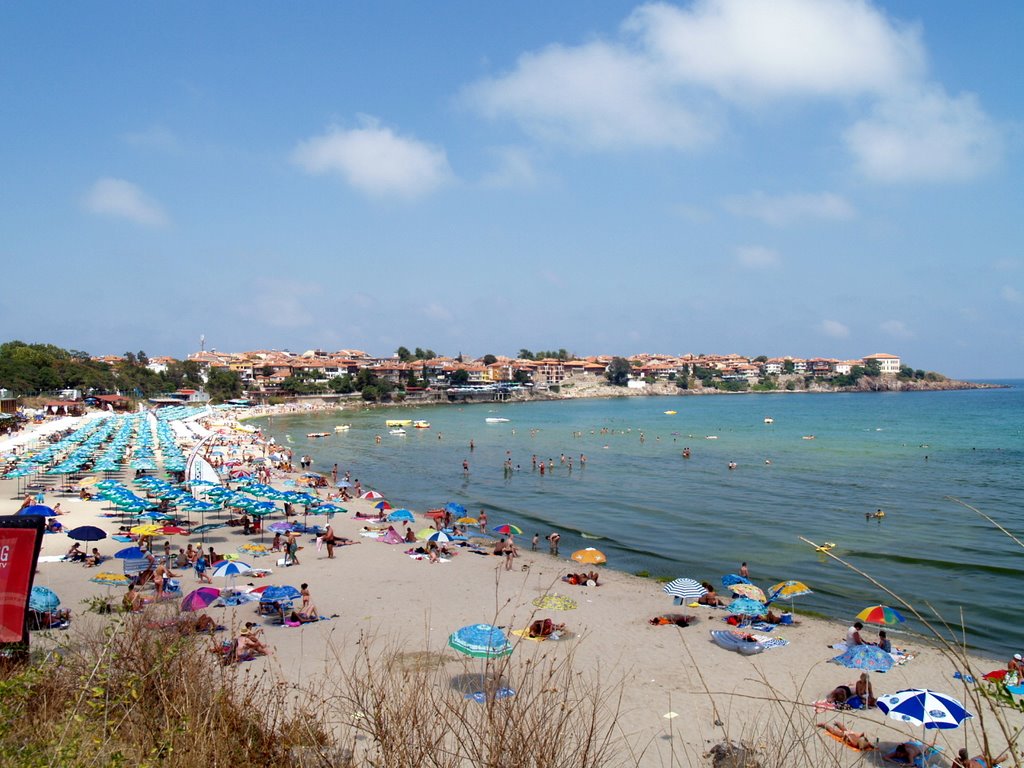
[[860, 696], [853, 637]]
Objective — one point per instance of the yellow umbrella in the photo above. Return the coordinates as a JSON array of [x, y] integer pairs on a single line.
[[426, 533], [589, 556], [256, 549], [147, 529], [748, 590], [92, 480], [467, 521]]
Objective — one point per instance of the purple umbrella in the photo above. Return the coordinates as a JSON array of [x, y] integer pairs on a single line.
[[201, 598]]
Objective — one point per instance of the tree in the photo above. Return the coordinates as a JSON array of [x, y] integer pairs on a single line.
[[761, 359], [525, 354], [129, 357], [143, 358], [521, 376], [872, 367], [788, 366], [404, 354], [342, 384], [489, 359], [618, 371], [223, 384], [459, 377]]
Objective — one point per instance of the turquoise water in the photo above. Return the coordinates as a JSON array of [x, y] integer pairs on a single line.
[[656, 511]]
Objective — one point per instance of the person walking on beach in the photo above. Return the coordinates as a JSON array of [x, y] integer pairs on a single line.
[[483, 521], [509, 551], [744, 571], [533, 544], [292, 549]]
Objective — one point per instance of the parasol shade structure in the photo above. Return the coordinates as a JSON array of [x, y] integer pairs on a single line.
[[43, 599], [881, 614], [870, 658], [686, 590], [922, 707], [508, 528], [555, 602], [481, 641], [589, 556], [748, 590], [87, 533]]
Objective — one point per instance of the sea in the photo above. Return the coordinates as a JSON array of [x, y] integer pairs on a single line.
[[806, 466]]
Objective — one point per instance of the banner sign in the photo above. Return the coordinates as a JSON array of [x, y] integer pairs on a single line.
[[20, 539]]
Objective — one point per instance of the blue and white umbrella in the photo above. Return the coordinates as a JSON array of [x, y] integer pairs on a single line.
[[921, 707], [440, 537], [686, 589], [231, 568], [277, 593]]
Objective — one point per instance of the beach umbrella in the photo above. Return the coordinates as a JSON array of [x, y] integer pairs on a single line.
[[231, 568], [787, 590], [37, 509], [344, 484], [198, 599], [687, 590], [87, 533], [382, 505], [881, 614], [748, 590], [481, 641], [455, 508], [870, 658], [372, 495], [589, 556], [435, 514], [555, 603], [275, 593], [401, 516], [467, 521], [173, 530], [130, 553], [508, 528], [147, 529], [732, 578], [921, 707], [254, 549], [281, 526], [440, 537], [208, 527], [744, 606], [425, 533], [43, 599]]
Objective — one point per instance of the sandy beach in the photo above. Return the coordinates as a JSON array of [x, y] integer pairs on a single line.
[[680, 693]]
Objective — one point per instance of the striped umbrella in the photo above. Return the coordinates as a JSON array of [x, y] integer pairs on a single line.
[[687, 590], [881, 614], [787, 590], [748, 590], [508, 528], [481, 641], [440, 537]]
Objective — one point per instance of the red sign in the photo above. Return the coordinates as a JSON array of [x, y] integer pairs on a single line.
[[18, 551]]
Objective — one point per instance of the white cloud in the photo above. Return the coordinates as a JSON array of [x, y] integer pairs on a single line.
[[780, 47], [598, 95], [757, 257], [897, 329], [375, 160], [781, 210], [122, 199], [669, 76], [835, 329], [1011, 294], [925, 136]]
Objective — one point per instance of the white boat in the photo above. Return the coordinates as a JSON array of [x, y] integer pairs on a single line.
[[343, 428], [711, 437], [398, 431], [769, 420], [495, 420], [421, 424]]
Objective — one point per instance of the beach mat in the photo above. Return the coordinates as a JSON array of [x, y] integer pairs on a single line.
[[845, 743]]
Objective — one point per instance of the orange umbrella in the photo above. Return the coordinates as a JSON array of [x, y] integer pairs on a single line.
[[589, 556]]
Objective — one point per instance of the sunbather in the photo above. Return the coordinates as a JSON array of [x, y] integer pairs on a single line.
[[963, 761], [855, 739], [907, 753], [544, 628]]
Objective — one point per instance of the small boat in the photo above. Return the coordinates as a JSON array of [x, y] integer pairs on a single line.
[[828, 546], [711, 437], [769, 420], [343, 428], [398, 422], [396, 431], [420, 424], [318, 434], [808, 437], [735, 641], [670, 413], [495, 420]]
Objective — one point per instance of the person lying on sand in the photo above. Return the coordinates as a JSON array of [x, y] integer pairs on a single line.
[[855, 739], [905, 753], [963, 761], [544, 628]]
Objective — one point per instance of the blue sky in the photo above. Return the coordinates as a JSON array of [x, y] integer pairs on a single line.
[[755, 176]]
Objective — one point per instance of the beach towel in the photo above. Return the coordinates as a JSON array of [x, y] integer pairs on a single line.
[[966, 678], [845, 743], [120, 538], [480, 698], [824, 705], [52, 559]]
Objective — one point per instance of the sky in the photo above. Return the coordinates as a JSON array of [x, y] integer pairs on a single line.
[[781, 177]]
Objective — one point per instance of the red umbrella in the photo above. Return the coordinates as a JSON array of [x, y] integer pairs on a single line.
[[174, 530], [437, 514], [382, 505]]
